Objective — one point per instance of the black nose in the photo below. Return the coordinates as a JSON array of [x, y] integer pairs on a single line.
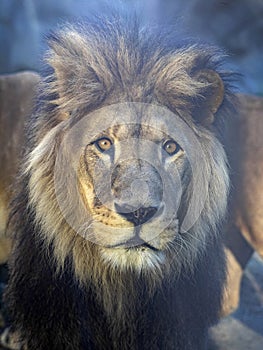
[[136, 216]]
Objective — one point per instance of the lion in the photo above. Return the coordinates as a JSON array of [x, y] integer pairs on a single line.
[[16, 99], [122, 193], [244, 227]]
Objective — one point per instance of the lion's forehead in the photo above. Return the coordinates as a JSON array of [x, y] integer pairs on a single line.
[[143, 130], [154, 129], [124, 120]]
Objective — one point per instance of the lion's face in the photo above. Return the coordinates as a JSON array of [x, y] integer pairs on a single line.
[[133, 181], [121, 181], [133, 173]]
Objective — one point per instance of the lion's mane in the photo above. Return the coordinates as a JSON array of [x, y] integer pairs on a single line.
[[61, 295]]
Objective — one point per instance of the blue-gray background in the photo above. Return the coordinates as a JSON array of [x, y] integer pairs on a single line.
[[234, 25]]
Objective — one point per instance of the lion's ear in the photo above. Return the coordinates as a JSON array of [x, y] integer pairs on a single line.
[[212, 96], [75, 79]]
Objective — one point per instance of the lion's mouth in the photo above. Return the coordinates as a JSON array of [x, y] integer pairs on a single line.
[[143, 247], [135, 244]]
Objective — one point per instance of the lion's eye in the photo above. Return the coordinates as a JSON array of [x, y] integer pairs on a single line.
[[171, 147], [103, 144]]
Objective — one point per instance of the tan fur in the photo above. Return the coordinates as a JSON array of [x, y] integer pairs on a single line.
[[245, 225], [134, 227], [172, 85], [248, 153], [104, 265], [16, 96]]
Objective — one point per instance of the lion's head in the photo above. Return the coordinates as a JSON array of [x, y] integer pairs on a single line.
[[125, 168]]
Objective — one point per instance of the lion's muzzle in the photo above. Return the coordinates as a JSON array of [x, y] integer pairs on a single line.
[[137, 216]]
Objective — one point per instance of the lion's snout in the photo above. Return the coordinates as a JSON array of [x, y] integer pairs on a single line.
[[137, 190], [137, 216]]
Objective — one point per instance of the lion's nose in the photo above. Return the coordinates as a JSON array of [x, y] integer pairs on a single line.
[[138, 216]]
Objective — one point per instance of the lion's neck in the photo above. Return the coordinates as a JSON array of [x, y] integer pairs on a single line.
[[130, 311]]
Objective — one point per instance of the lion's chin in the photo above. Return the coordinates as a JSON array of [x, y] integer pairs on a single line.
[[139, 258]]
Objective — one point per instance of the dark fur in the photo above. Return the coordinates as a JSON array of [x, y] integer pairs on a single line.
[[54, 311]]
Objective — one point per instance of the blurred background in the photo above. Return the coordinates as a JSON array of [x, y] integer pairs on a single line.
[[234, 25]]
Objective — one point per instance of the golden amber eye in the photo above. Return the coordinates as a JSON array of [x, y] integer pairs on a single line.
[[103, 144], [171, 147]]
